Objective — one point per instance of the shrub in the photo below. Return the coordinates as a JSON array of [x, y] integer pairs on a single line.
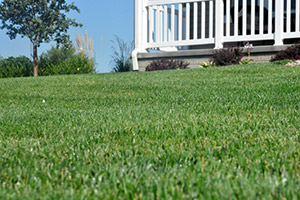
[[282, 62], [166, 64], [122, 66], [227, 56], [16, 67], [64, 60], [121, 55], [291, 53]]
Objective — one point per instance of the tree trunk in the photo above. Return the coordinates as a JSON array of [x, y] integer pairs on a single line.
[[35, 60]]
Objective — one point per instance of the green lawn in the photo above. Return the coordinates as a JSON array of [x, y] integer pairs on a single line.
[[219, 133]]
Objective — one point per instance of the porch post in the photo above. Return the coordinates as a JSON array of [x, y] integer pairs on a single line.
[[278, 23], [138, 13], [219, 23], [144, 25], [140, 30]]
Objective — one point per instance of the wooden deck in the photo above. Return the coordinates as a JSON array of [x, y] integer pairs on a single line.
[[176, 25]]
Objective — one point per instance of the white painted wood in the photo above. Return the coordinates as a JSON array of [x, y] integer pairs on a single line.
[[244, 17], [291, 35], [236, 17], [278, 23], [219, 24], [157, 23], [297, 15], [261, 17], [270, 16], [203, 16], [140, 30], [188, 9], [168, 2], [169, 25], [195, 21], [252, 17], [166, 23], [144, 26], [151, 24], [158, 31], [180, 22], [227, 17], [249, 38], [288, 16], [211, 19], [161, 23], [172, 38], [137, 24], [181, 43]]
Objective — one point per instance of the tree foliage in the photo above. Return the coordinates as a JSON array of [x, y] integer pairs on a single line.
[[41, 21], [15, 67]]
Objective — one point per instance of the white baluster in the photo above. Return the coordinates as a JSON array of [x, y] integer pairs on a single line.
[[244, 17], [172, 22], [151, 24], [228, 15], [180, 22], [211, 18], [252, 17], [188, 10], [236, 17], [203, 13], [165, 23], [157, 29], [195, 20], [270, 14], [288, 16], [261, 17], [297, 15]]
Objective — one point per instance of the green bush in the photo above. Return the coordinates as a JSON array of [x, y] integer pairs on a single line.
[[282, 62], [16, 67], [64, 60]]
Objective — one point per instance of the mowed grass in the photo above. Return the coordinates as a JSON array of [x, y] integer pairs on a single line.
[[220, 133]]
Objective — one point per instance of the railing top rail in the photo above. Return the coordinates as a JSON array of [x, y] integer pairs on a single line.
[[164, 2]]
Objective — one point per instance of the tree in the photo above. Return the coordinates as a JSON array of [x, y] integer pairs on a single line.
[[41, 21]]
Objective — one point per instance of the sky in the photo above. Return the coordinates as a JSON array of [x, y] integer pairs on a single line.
[[102, 19]]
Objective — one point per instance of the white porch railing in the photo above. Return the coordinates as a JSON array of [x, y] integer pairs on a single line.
[[173, 24]]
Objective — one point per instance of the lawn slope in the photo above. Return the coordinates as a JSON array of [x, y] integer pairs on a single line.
[[220, 133]]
